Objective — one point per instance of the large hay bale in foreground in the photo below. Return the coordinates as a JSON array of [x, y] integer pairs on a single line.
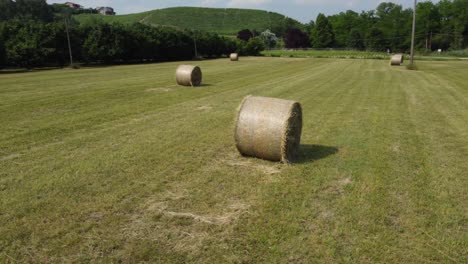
[[269, 128], [234, 57], [188, 75], [396, 60]]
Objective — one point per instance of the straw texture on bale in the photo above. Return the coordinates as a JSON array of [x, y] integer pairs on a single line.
[[269, 128], [234, 57], [188, 75], [396, 60]]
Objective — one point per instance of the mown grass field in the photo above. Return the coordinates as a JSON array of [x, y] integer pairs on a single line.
[[224, 21], [118, 164]]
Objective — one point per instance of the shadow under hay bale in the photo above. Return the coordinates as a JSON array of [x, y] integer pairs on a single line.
[[396, 60], [311, 153], [269, 128], [234, 57], [188, 75]]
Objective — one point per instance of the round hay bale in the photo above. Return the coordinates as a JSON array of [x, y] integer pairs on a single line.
[[234, 57], [396, 60], [269, 128], [188, 75]]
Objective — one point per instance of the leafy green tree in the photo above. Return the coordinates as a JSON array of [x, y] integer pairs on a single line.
[[447, 14], [427, 23], [254, 46], [367, 20], [284, 25], [210, 44], [144, 44], [296, 38], [240, 47], [355, 40], [2, 46], [342, 25], [310, 26], [245, 35], [175, 45], [59, 42], [34, 10], [28, 43], [7, 10], [376, 40], [2, 54], [395, 24], [255, 33], [230, 45], [105, 43], [269, 39], [460, 24], [62, 9], [458, 41], [322, 34], [439, 41]]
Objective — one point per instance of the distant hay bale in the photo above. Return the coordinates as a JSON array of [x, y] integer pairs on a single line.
[[188, 75], [269, 128], [234, 57], [396, 60]]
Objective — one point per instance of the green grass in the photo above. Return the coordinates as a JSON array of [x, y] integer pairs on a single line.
[[118, 164], [130, 18], [450, 53], [354, 54], [335, 54], [227, 21]]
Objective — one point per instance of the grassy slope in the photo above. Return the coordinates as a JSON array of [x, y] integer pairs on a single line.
[[118, 163], [131, 18], [220, 20]]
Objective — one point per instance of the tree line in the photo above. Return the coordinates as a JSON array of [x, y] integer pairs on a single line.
[[33, 34], [443, 25]]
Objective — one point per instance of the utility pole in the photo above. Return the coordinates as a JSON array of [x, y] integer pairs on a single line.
[[413, 33], [69, 43], [430, 42], [195, 44], [427, 41]]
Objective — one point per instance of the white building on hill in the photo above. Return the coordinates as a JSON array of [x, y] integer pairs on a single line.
[[105, 10], [73, 5]]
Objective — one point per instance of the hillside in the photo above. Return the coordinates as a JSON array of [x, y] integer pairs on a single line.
[[223, 21]]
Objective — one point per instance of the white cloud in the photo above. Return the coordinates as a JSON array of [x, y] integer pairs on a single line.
[[133, 9], [209, 3], [248, 3], [327, 2]]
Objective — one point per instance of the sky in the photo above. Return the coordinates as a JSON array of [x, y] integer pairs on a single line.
[[302, 10]]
